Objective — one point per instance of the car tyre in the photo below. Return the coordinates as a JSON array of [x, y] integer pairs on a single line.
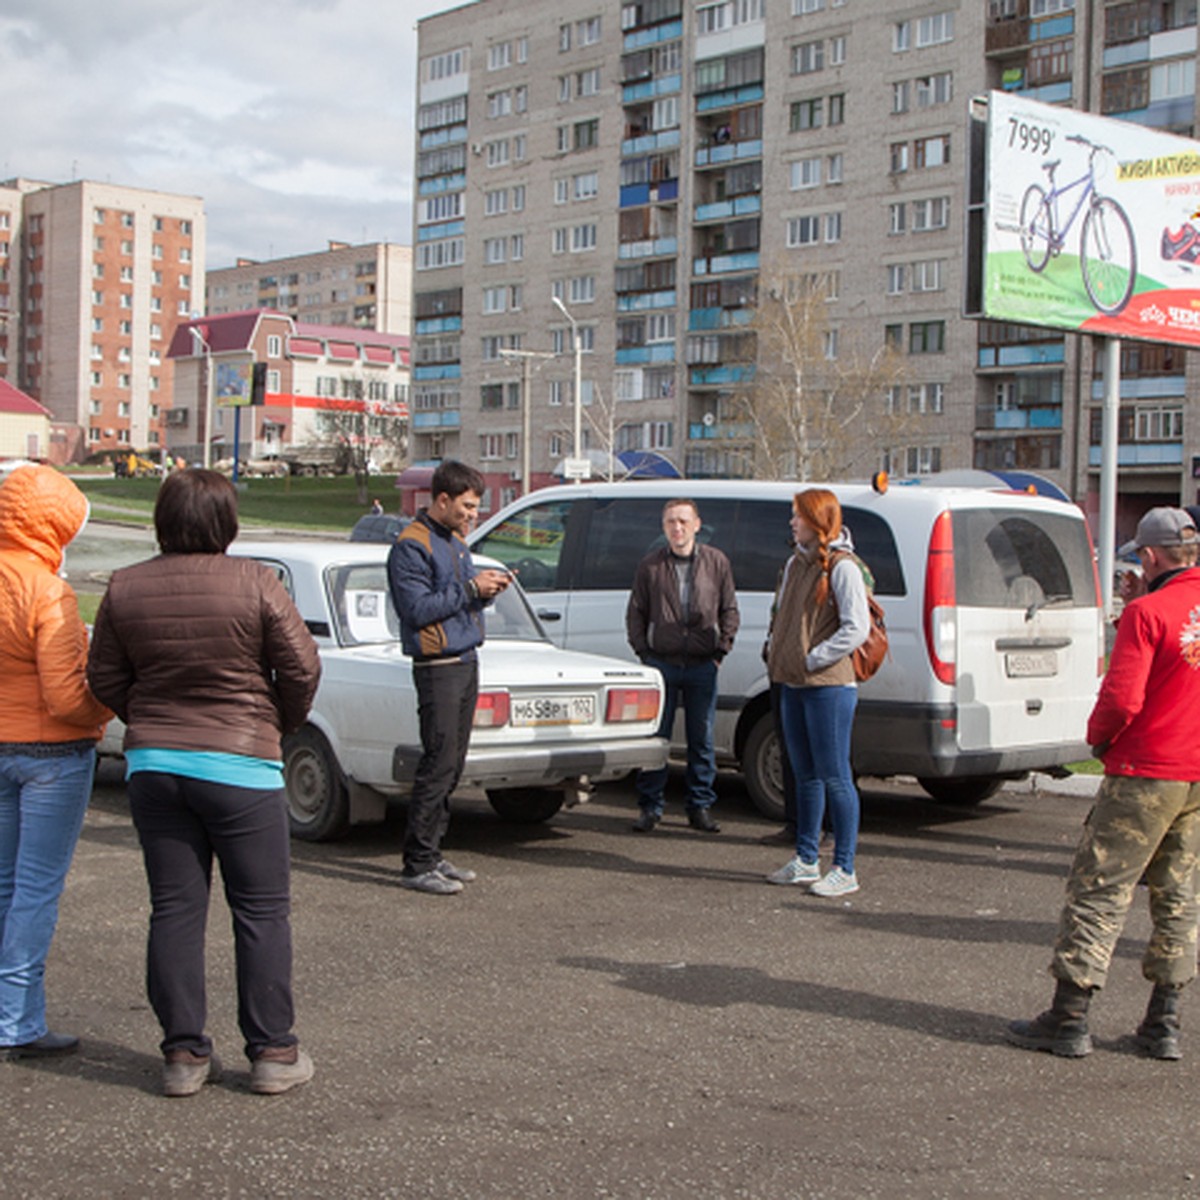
[[525, 806], [967, 790], [762, 768], [317, 800]]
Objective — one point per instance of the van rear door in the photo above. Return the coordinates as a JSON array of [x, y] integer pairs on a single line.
[[1028, 627]]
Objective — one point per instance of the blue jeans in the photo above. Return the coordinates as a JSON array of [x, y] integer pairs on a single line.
[[42, 802], [816, 724], [696, 686]]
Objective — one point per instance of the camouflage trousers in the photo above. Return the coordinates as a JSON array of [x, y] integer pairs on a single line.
[[1137, 827]]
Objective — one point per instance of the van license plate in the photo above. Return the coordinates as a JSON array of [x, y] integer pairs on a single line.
[[1030, 664], [553, 710]]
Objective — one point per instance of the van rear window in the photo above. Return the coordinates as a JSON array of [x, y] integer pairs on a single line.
[[1008, 559]]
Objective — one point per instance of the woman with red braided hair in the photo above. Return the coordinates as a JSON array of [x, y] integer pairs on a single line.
[[820, 618]]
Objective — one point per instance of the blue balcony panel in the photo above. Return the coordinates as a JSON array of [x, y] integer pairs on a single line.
[[654, 248], [645, 301], [656, 33], [708, 156], [721, 375], [1142, 454], [437, 371], [1150, 388], [442, 183], [648, 143], [723, 264], [723, 210], [437, 325], [433, 233], [647, 89], [438, 418], [732, 98]]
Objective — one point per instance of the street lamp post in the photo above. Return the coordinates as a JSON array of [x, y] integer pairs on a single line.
[[198, 339], [562, 308], [526, 407]]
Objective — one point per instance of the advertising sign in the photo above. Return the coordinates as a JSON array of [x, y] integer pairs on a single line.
[[1092, 224], [233, 383]]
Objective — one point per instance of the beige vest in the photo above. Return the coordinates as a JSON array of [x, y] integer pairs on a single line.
[[799, 623]]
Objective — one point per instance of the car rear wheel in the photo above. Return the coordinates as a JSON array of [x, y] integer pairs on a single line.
[[525, 806], [317, 800], [970, 789], [762, 767]]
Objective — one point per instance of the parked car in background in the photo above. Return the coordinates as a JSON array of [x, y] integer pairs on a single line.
[[548, 722], [378, 527], [991, 596]]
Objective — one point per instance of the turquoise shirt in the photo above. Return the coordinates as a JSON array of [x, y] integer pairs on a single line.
[[213, 766]]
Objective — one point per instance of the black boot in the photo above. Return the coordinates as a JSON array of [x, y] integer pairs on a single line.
[[1062, 1029], [1158, 1034]]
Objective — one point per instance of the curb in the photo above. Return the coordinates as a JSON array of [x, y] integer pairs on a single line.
[[1073, 785]]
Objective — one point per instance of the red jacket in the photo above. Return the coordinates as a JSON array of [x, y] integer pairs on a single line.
[[1144, 722]]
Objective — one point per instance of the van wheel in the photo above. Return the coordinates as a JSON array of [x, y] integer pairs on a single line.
[[970, 789], [317, 800], [762, 768], [525, 806]]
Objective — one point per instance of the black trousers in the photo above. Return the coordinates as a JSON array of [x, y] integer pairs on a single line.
[[446, 694], [182, 824]]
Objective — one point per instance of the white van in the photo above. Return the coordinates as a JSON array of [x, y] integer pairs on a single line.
[[992, 602]]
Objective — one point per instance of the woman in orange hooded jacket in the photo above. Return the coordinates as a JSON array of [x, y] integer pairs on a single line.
[[49, 725]]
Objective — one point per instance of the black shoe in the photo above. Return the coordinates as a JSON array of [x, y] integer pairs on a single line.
[[47, 1046], [1049, 1032], [702, 819], [781, 837], [645, 823]]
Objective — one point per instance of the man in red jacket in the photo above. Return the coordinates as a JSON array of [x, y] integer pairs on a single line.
[[1146, 820]]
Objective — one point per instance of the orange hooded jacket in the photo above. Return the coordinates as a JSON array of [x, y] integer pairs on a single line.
[[44, 695]]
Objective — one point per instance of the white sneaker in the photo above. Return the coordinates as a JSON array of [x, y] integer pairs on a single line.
[[796, 870], [836, 883]]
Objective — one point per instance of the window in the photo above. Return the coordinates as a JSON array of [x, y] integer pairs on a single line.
[[931, 151], [495, 202], [837, 51], [499, 56], [588, 32], [807, 114], [900, 96], [837, 109], [495, 299], [587, 83], [583, 237], [808, 57], [806, 173], [901, 36], [516, 245], [829, 344], [833, 227], [927, 275], [491, 445], [564, 37], [1172, 79], [586, 134], [934, 89], [935, 29], [899, 157], [930, 214], [495, 250], [896, 218], [499, 104], [804, 231], [518, 197], [497, 153], [665, 113], [562, 191], [583, 289], [274, 345], [834, 173], [927, 337], [586, 186], [895, 278]]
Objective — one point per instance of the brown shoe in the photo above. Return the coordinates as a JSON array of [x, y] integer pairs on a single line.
[[185, 1073], [279, 1069]]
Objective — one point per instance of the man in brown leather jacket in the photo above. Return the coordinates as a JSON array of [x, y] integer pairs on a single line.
[[681, 618]]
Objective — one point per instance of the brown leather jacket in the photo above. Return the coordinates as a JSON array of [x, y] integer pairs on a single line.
[[654, 621], [203, 652]]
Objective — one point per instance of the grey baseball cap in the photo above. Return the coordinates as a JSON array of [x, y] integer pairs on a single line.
[[1162, 527]]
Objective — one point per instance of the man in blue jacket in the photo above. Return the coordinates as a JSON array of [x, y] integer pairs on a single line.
[[439, 598]]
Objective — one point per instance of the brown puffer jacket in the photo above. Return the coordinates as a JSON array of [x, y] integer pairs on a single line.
[[203, 652], [43, 644]]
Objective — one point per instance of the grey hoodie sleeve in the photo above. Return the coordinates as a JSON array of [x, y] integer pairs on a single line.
[[850, 595]]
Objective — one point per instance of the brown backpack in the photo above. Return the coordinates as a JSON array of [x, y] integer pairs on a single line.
[[868, 658]]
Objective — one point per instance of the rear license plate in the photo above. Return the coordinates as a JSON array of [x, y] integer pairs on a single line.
[[1030, 664], [553, 710]]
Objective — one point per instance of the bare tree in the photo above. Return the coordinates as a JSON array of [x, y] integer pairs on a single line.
[[363, 433], [820, 401]]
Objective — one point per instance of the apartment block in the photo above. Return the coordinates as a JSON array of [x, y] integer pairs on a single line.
[[630, 174], [367, 286], [94, 277]]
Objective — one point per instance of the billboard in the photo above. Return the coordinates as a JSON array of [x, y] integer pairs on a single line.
[[1089, 224], [233, 383]]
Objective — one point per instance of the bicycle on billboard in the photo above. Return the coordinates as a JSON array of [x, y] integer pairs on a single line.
[[1107, 251]]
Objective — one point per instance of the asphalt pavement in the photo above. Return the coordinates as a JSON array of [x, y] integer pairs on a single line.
[[604, 1014]]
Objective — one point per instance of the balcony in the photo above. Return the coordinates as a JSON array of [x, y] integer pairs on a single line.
[[723, 210], [728, 152], [441, 418], [727, 431], [721, 376], [1142, 454], [1019, 418], [724, 264]]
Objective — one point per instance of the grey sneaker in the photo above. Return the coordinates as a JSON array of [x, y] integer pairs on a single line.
[[836, 883], [433, 882], [796, 870], [185, 1073], [447, 870], [269, 1077]]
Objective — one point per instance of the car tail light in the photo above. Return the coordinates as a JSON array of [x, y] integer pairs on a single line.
[[491, 710], [941, 616], [632, 704]]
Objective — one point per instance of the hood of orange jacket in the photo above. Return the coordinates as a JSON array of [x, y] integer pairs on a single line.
[[41, 510]]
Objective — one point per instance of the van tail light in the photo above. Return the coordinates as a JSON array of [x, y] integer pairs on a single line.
[[941, 612], [632, 704], [491, 710]]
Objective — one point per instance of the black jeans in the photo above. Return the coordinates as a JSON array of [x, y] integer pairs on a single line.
[[446, 694], [182, 823]]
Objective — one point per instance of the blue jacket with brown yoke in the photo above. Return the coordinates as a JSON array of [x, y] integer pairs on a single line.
[[429, 575]]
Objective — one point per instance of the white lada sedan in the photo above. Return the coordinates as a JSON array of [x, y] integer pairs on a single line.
[[548, 723]]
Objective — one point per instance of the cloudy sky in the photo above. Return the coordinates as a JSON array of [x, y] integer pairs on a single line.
[[291, 118]]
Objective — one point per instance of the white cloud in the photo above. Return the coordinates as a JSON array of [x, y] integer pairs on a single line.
[[293, 119]]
